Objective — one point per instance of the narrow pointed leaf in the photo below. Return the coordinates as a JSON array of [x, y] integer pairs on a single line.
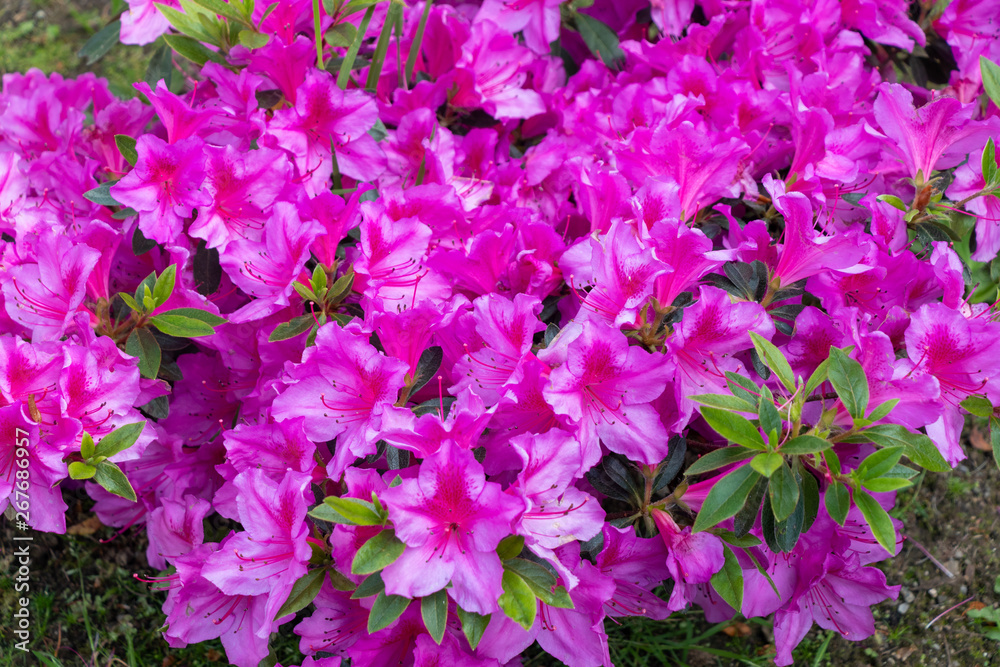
[[434, 612], [848, 379], [303, 592], [877, 519], [385, 610], [774, 359], [726, 497], [733, 427], [728, 582], [379, 551]]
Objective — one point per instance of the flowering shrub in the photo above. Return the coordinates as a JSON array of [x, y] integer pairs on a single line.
[[479, 321]]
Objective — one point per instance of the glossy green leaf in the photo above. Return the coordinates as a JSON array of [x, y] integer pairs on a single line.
[[726, 497], [180, 326], [252, 39], [883, 410], [724, 402], [733, 427], [355, 512], [352, 53], [193, 50], [879, 462], [774, 359], [303, 592], [372, 585], [743, 387], [221, 8], [805, 444], [728, 582], [510, 547], [385, 610], [126, 146], [766, 463], [886, 484], [849, 381], [379, 551], [473, 626], [142, 344], [81, 470], [87, 448], [100, 43], [978, 405], [877, 519], [540, 581], [196, 314], [991, 78], [164, 287], [102, 195], [434, 612], [601, 40], [297, 326], [770, 420], [919, 448], [988, 163], [818, 377], [719, 458], [188, 25], [113, 480], [783, 490], [838, 502], [120, 439], [341, 35], [518, 601]]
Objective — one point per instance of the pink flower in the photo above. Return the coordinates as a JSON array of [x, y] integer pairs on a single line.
[[451, 520]]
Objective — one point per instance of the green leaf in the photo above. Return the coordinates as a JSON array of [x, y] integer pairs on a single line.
[[805, 444], [744, 388], [719, 458], [766, 463], [193, 50], [109, 476], [120, 439], [297, 326], [849, 381], [879, 462], [392, 17], [303, 592], [540, 581], [894, 201], [510, 547], [223, 9], [832, 461], [373, 585], [742, 541], [197, 314], [991, 175], [126, 146], [781, 536], [253, 40], [978, 405], [783, 490], [809, 488], [724, 402], [100, 43], [140, 244], [81, 470], [473, 626], [180, 326], [733, 427], [883, 410], [885, 484], [418, 40], [326, 513], [427, 367], [991, 78], [385, 610], [600, 39], [355, 512], [164, 287], [726, 498], [775, 360], [770, 420], [130, 302], [919, 448], [877, 519], [341, 35], [87, 449], [102, 195], [745, 519], [728, 582], [141, 343], [818, 377], [517, 601], [341, 287], [345, 67], [188, 25], [838, 502], [161, 66], [379, 551], [434, 611]]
